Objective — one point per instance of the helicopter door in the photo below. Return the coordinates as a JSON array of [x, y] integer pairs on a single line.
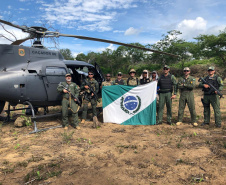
[[54, 75]]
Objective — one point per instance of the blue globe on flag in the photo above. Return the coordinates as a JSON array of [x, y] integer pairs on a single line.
[[131, 103]]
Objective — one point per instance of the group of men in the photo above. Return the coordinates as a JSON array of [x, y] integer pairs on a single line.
[[167, 90]]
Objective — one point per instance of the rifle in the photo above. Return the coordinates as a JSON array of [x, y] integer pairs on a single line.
[[74, 97], [92, 90], [212, 88]]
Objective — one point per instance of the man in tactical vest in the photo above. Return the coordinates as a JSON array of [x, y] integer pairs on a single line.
[[168, 85], [119, 80], [144, 79], [67, 88], [108, 81], [132, 80], [88, 86], [211, 97], [186, 84]]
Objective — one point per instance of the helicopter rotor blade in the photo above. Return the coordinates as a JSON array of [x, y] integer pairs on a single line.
[[114, 42], [24, 28], [18, 42]]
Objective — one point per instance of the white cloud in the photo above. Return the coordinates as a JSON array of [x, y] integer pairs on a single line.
[[132, 31], [95, 15], [111, 47], [9, 7], [193, 28]]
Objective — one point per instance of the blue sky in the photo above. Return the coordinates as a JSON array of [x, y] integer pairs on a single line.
[[143, 21]]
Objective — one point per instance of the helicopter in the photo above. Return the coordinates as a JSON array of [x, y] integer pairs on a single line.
[[30, 75]]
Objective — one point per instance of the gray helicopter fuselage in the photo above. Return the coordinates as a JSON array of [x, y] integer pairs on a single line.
[[32, 74]]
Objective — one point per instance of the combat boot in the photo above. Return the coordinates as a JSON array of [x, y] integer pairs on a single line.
[[65, 128], [77, 127], [83, 121], [95, 122], [195, 124], [178, 123]]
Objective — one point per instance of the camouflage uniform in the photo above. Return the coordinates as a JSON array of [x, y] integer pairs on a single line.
[[88, 98], [211, 98], [133, 81], [167, 84], [186, 87], [67, 101], [107, 83]]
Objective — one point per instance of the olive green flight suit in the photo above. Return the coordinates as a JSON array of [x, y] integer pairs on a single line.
[[68, 101], [88, 98], [186, 87], [213, 99], [165, 98]]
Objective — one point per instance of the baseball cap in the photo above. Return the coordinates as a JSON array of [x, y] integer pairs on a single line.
[[187, 68], [166, 66], [68, 74], [211, 68]]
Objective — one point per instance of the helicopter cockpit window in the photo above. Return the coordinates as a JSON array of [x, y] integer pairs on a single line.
[[55, 71]]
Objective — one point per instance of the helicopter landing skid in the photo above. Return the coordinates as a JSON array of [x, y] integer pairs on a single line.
[[33, 118]]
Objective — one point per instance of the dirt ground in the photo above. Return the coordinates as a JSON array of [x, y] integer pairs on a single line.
[[116, 154]]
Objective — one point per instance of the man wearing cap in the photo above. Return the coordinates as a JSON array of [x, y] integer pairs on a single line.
[[186, 85], [211, 97], [67, 101], [89, 96], [132, 80], [167, 85], [108, 81], [119, 80], [144, 77]]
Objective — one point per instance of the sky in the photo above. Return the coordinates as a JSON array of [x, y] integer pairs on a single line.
[[128, 21]]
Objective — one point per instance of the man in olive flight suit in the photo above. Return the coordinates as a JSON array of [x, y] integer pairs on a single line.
[[68, 101], [89, 96], [108, 81], [186, 85], [132, 80], [168, 85], [211, 97], [119, 80]]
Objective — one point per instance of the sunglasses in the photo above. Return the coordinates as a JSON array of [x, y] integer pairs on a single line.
[[108, 76], [144, 72], [132, 72], [210, 70], [186, 70], [90, 74], [165, 68], [119, 75]]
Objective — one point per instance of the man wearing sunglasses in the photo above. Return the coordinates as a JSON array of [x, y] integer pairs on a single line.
[[167, 85], [89, 96], [211, 97], [132, 80], [108, 81], [186, 84], [119, 80]]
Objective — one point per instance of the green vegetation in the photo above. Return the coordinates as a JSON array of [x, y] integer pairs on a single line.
[[67, 137], [204, 50]]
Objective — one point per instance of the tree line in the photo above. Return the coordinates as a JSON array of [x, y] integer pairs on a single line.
[[203, 48]]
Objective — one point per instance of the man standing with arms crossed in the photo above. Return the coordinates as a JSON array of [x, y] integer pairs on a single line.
[[186, 85], [211, 97], [168, 85]]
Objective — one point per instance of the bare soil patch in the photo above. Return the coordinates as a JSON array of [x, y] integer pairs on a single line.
[[116, 154]]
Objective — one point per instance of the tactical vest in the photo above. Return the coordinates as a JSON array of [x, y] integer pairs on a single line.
[[121, 82], [132, 82], [214, 82], [144, 81], [165, 82]]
